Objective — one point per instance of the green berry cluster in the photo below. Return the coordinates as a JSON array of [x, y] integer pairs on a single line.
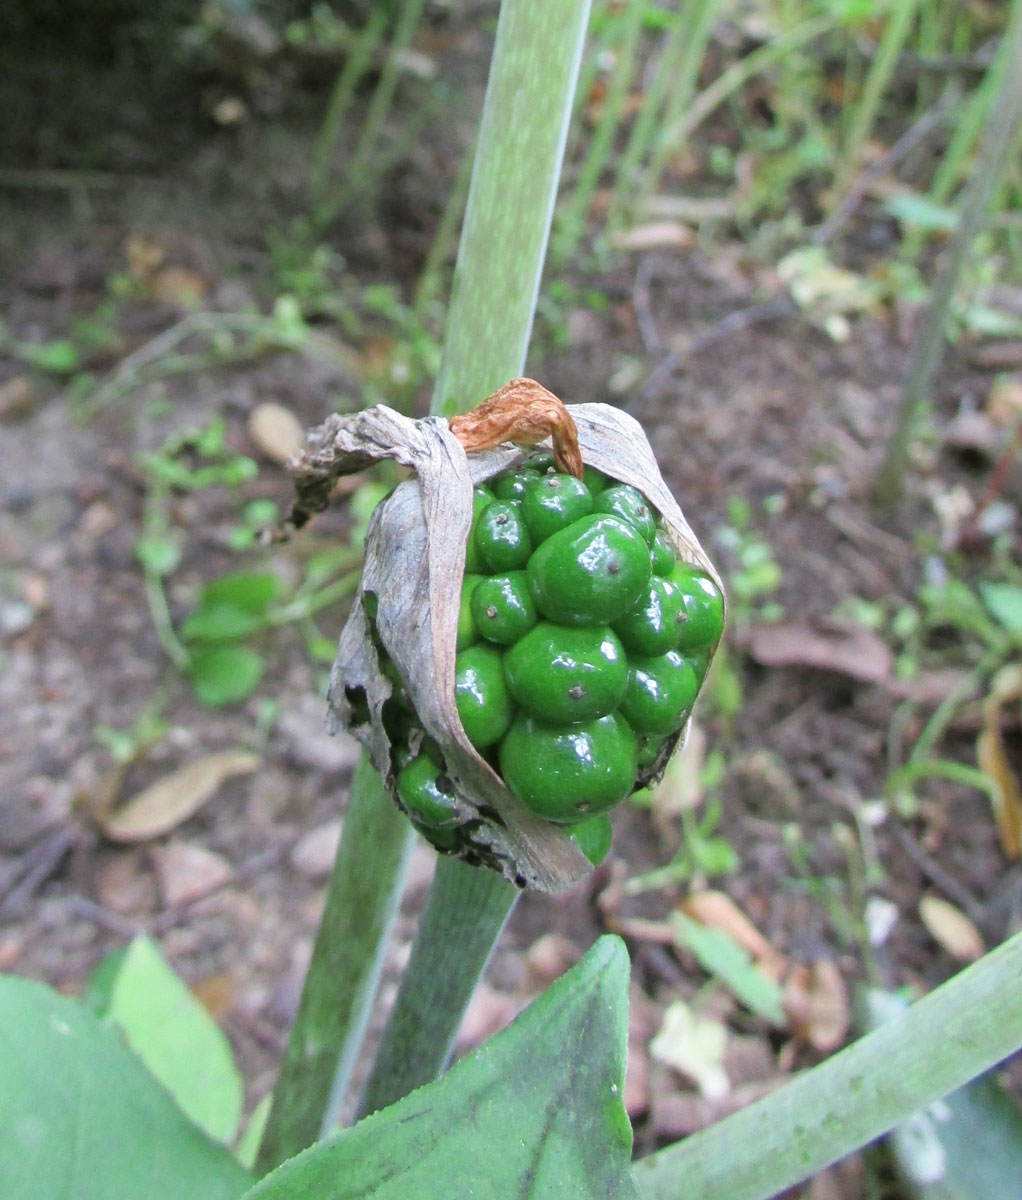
[[582, 644]]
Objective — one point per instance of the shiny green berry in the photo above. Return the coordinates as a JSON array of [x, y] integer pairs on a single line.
[[662, 555], [660, 693], [503, 610], [593, 837], [594, 480], [502, 538], [481, 695], [552, 502], [564, 675], [567, 773], [650, 745], [703, 605], [653, 626], [423, 794], [630, 505], [590, 573], [482, 497], [511, 485], [468, 631]]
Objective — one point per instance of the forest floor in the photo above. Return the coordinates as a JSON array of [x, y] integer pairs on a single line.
[[768, 431]]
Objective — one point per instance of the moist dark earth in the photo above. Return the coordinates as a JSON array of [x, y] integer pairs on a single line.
[[767, 410]]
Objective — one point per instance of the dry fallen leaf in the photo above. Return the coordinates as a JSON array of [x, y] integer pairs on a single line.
[[276, 432], [992, 755], [822, 645], [17, 396], [163, 805], [951, 928], [816, 1002], [655, 235], [180, 286], [187, 871], [718, 911], [694, 1046]]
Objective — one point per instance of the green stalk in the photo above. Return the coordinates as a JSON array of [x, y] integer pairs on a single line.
[[704, 13], [882, 68], [511, 198], [496, 279], [647, 122], [928, 345], [362, 898], [940, 1043], [340, 101], [571, 220], [355, 169], [466, 911]]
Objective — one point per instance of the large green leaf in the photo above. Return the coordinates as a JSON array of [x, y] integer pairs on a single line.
[[536, 1113], [80, 1116], [173, 1034]]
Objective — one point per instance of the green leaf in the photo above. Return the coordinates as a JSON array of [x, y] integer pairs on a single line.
[[219, 622], [536, 1112], [721, 956], [1004, 601], [912, 209], [253, 591], [225, 675], [58, 358], [172, 1033], [80, 1116]]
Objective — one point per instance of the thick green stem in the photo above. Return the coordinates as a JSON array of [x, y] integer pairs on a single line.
[[511, 198], [496, 279], [465, 914], [500, 260], [929, 343], [362, 898], [970, 1024]]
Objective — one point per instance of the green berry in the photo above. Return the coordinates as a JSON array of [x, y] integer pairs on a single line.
[[468, 630], [481, 695], [630, 505], [660, 693], [591, 573], [703, 607], [567, 773], [564, 675], [502, 607], [593, 837], [501, 537], [662, 555], [594, 480], [482, 497], [428, 803], [552, 502], [653, 626], [511, 485]]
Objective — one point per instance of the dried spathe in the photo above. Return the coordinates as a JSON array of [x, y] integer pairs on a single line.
[[393, 684]]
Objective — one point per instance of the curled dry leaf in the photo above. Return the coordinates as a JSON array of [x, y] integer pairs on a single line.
[[407, 606], [525, 413], [951, 928], [992, 754], [718, 911], [163, 805]]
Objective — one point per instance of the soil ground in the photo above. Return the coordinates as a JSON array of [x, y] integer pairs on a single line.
[[771, 411]]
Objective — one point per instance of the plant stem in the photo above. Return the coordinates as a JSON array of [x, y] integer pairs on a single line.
[[496, 279], [466, 911], [511, 198], [929, 343], [507, 223], [362, 898], [846, 1102]]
